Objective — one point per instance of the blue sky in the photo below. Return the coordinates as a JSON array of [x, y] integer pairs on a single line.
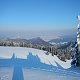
[[39, 15]]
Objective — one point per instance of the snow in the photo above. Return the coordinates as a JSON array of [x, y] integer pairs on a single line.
[[78, 17], [23, 53], [36, 74], [57, 69], [6, 73], [78, 26]]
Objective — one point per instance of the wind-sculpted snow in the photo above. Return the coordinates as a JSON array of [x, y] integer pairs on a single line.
[[34, 57]]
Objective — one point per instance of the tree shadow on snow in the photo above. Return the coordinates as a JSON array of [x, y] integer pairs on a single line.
[[34, 61]]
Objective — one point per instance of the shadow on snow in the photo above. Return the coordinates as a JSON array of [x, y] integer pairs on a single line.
[[30, 62]]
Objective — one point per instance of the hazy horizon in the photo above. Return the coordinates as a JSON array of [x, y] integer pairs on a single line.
[[47, 19], [44, 34]]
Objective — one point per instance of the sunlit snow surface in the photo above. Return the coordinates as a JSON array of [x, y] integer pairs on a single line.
[[59, 70], [20, 52]]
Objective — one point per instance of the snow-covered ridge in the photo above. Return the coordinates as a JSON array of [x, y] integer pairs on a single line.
[[23, 53]]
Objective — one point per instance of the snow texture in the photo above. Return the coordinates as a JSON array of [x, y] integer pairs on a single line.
[[34, 55], [40, 66]]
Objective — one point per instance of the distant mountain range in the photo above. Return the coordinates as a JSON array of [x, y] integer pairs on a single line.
[[41, 42], [66, 38], [33, 41]]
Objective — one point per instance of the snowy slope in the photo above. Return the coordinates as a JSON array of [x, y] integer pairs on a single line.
[[23, 53], [6, 73]]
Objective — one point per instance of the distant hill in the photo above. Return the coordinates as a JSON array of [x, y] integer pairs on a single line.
[[66, 38], [34, 41], [19, 40], [39, 41]]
